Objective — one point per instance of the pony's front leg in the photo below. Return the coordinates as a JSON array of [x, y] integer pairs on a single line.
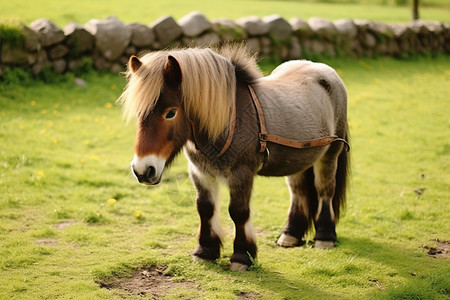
[[210, 232], [244, 241]]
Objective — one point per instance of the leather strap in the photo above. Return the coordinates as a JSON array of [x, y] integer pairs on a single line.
[[230, 132], [262, 123], [264, 137]]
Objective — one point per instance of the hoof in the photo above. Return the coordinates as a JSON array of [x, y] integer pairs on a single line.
[[235, 266], [205, 254], [287, 241], [199, 259], [324, 244]]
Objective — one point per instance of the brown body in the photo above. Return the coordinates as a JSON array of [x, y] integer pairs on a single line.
[[301, 100]]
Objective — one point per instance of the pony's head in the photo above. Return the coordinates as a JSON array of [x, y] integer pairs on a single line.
[[167, 91]]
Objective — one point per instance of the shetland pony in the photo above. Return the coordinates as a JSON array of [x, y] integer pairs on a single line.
[[201, 101]]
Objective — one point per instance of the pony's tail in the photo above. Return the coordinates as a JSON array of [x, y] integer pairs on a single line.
[[342, 177]]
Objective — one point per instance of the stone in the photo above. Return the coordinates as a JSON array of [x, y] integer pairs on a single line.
[[112, 36], [323, 28], [13, 55], [317, 47], [194, 24], [296, 49], [41, 62], [101, 63], [141, 36], [435, 27], [59, 66], [369, 40], [208, 39], [253, 45], [402, 31], [32, 58], [300, 27], [58, 51], [279, 28], [48, 32], [228, 30], [266, 46], [253, 25], [116, 68], [80, 82], [78, 39], [124, 60], [346, 27], [131, 50], [74, 64], [166, 30], [362, 24], [32, 41], [381, 29]]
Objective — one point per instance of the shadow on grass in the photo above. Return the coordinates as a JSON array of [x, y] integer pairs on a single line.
[[421, 276], [262, 283]]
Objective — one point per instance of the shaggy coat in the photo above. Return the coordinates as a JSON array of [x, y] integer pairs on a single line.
[[186, 99]]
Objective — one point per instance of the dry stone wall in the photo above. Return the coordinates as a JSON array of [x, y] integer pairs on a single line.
[[109, 42]]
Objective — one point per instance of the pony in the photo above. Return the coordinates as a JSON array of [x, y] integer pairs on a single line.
[[232, 124]]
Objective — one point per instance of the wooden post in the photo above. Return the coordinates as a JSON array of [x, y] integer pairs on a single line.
[[415, 10]]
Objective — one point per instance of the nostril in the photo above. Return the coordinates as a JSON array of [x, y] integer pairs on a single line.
[[138, 177], [134, 172], [151, 173]]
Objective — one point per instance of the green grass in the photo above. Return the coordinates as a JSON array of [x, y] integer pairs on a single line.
[[62, 12], [65, 151]]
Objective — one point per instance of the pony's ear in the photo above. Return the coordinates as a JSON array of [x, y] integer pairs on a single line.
[[172, 71], [134, 63]]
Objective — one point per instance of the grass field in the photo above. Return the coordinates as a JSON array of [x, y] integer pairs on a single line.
[[81, 11], [65, 152]]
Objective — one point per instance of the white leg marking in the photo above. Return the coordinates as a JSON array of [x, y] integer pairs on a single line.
[[249, 231], [212, 185], [319, 209], [297, 200], [287, 241]]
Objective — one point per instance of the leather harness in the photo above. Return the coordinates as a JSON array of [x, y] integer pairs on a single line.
[[264, 137]]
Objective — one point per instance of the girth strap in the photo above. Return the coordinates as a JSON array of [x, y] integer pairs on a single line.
[[264, 137]]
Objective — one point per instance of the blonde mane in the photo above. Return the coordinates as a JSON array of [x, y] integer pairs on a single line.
[[208, 84]]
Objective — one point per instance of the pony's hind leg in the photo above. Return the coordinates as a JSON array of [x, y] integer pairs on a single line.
[[303, 196], [210, 232], [325, 182]]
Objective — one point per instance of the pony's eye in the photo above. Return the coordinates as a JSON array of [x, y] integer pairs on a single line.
[[171, 114]]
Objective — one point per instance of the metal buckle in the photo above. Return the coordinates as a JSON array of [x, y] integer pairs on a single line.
[[263, 137]]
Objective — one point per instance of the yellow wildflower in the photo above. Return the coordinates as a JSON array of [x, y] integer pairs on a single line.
[[138, 214], [112, 201]]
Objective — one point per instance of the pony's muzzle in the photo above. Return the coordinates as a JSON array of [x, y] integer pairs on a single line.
[[149, 177], [148, 170]]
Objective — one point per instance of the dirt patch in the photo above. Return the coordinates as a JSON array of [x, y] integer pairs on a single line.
[[442, 249], [152, 281], [47, 242], [247, 296], [65, 224]]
